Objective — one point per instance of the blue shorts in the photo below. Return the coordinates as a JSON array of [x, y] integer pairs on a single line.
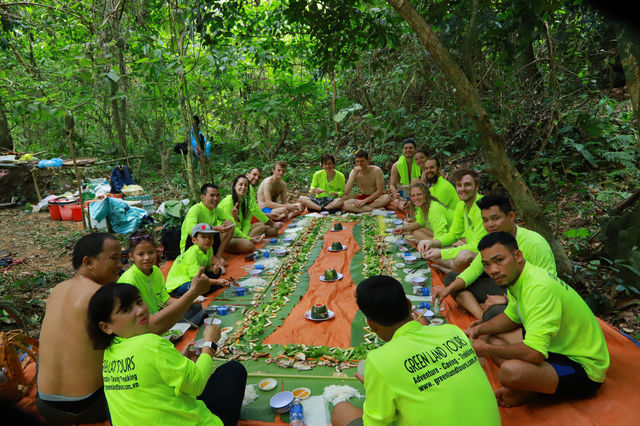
[[266, 210]]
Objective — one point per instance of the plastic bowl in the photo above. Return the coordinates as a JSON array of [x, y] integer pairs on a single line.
[[282, 402], [436, 321], [255, 272], [418, 280], [409, 259], [281, 252], [207, 321]]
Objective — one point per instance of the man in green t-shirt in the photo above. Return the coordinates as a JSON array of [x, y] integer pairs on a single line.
[[563, 352], [438, 186], [472, 288], [421, 373], [327, 187], [467, 225], [207, 211]]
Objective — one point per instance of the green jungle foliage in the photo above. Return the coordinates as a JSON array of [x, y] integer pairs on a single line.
[[261, 76]]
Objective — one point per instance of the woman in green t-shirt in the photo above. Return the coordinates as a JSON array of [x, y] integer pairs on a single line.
[[428, 221], [146, 380], [239, 205]]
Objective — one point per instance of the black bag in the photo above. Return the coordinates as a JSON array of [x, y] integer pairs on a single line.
[[170, 239]]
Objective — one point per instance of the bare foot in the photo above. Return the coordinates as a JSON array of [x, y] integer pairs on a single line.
[[512, 398]]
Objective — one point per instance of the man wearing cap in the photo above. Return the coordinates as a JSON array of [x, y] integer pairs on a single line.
[[207, 211], [187, 265], [403, 172]]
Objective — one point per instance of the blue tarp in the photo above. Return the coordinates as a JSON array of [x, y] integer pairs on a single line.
[[123, 218]]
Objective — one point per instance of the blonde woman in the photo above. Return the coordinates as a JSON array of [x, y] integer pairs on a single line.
[[430, 218]]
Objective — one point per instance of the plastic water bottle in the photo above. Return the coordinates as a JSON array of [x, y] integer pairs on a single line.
[[296, 415]]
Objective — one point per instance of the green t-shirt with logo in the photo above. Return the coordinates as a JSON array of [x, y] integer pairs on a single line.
[[427, 376], [466, 224], [198, 213], [446, 193], [556, 319], [254, 208], [151, 287], [187, 265], [436, 219], [319, 180], [534, 247], [148, 382]]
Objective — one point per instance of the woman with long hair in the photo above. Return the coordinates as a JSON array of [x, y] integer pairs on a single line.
[[429, 215], [240, 205]]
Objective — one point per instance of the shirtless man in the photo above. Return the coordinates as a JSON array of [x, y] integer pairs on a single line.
[[69, 374], [403, 172], [273, 224], [273, 189], [371, 182]]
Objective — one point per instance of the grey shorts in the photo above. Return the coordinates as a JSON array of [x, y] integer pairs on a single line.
[[481, 288], [322, 202], [92, 409], [356, 422]]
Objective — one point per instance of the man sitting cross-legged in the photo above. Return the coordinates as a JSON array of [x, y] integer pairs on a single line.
[[371, 182], [420, 373], [271, 222], [327, 186], [403, 173], [472, 288], [272, 194], [467, 224], [563, 353]]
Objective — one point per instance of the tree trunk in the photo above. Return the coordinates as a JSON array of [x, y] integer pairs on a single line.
[[6, 141], [334, 97], [629, 50], [469, 38], [495, 155]]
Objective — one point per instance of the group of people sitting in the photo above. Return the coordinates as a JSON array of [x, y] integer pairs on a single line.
[[100, 341]]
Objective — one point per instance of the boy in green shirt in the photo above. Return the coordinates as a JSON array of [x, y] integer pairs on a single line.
[[421, 374], [327, 186], [472, 288], [467, 225], [563, 353], [438, 186], [187, 265], [207, 211]]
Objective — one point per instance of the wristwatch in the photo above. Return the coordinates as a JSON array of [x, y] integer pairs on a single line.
[[211, 345]]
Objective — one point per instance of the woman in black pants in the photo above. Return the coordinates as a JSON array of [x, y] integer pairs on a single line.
[[146, 380]]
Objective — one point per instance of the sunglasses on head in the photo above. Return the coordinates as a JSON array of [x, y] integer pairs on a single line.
[[141, 237]]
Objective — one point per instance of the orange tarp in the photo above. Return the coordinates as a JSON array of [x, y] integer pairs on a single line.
[[339, 296], [616, 402]]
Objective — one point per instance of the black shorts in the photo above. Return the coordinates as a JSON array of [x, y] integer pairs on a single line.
[[573, 381], [481, 288]]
